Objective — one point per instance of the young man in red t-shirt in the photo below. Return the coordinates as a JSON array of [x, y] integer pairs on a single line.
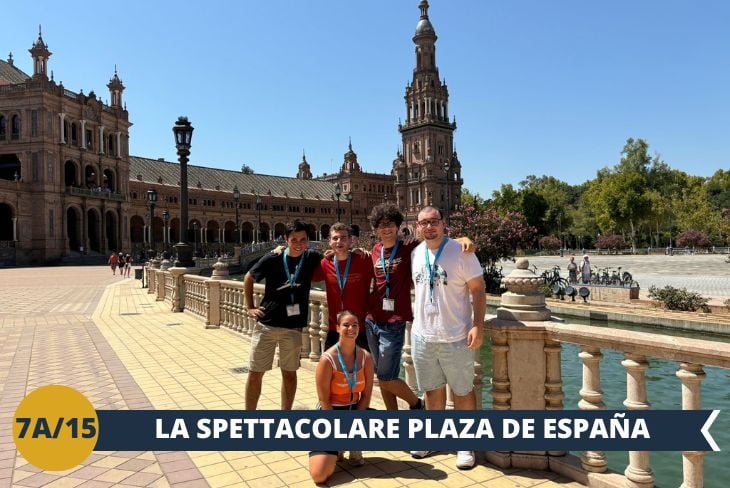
[[347, 277], [390, 303]]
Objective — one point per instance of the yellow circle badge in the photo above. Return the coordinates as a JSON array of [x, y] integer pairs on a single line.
[[55, 428]]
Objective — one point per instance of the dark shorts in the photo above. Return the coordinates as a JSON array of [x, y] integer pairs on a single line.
[[386, 346], [334, 407]]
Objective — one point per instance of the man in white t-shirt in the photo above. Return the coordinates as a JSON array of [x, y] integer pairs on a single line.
[[444, 334]]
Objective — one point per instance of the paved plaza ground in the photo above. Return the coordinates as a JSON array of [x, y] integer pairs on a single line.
[[109, 339], [707, 274]]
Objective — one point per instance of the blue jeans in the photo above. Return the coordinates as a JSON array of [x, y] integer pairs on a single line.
[[386, 346]]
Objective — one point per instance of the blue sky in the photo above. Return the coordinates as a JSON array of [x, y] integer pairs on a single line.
[[537, 87]]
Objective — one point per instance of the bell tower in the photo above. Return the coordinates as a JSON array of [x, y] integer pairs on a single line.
[[40, 54], [428, 171]]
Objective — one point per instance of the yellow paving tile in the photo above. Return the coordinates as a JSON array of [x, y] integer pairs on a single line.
[[224, 479]]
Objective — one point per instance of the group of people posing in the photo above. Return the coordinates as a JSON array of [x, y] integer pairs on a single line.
[[369, 303], [122, 261]]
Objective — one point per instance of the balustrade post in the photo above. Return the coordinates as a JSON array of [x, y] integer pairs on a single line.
[[501, 395], [213, 303], [691, 375], [592, 399], [324, 326], [314, 347], [638, 472], [553, 381]]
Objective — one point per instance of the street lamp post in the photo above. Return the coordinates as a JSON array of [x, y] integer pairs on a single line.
[[183, 131], [348, 197], [258, 220], [152, 199], [236, 198], [447, 167], [165, 220], [338, 192], [195, 235]]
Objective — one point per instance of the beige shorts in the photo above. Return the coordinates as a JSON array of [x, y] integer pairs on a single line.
[[263, 346]]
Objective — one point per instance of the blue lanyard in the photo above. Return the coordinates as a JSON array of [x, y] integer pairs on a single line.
[[292, 279], [351, 380], [386, 268], [341, 282], [432, 269]]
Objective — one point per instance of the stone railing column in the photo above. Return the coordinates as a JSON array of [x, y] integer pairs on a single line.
[[526, 371], [592, 399], [213, 304], [638, 472], [691, 376], [159, 284], [152, 267], [314, 331], [553, 382], [324, 325]]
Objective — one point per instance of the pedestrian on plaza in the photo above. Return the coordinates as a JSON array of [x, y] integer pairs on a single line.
[[390, 303], [347, 276], [113, 262], [445, 334], [344, 379], [127, 265], [572, 271], [282, 313], [585, 270]]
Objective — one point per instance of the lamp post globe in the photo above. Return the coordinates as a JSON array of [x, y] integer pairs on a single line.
[[183, 132], [236, 198]]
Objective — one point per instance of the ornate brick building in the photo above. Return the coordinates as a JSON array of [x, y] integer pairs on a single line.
[[68, 184]]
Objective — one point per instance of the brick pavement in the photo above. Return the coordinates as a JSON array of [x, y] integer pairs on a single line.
[[109, 339]]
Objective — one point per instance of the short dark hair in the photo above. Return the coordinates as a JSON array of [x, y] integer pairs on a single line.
[[295, 226], [430, 208], [385, 212], [339, 227]]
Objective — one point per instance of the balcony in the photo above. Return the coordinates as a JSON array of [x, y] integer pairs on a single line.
[[95, 193]]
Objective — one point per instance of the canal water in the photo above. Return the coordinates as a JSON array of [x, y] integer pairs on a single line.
[[664, 392]]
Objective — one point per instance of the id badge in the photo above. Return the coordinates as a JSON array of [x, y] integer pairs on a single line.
[[431, 309], [388, 304], [292, 310]]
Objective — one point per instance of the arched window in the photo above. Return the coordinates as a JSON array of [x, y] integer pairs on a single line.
[[15, 128], [110, 145], [2, 128], [74, 135]]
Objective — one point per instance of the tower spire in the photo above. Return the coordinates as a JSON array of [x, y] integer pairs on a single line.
[[40, 53]]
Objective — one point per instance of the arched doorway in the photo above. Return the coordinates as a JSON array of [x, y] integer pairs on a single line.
[[158, 226], [112, 239], [311, 232], [264, 232], [70, 174], [212, 232], [174, 231], [6, 222], [109, 183], [280, 231], [10, 167], [73, 228], [94, 229], [229, 233], [247, 232], [90, 177], [324, 231], [136, 230]]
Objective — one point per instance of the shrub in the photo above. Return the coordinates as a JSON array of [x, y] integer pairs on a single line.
[[679, 299], [693, 238], [550, 243], [611, 241]]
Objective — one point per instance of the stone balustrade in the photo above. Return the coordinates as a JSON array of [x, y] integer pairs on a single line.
[[526, 364]]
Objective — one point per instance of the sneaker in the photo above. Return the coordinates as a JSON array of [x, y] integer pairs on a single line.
[[420, 405], [465, 459], [356, 458], [421, 454]]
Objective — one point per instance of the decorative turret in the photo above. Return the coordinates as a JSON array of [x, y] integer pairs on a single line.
[[40, 54], [305, 172], [350, 165], [116, 88]]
